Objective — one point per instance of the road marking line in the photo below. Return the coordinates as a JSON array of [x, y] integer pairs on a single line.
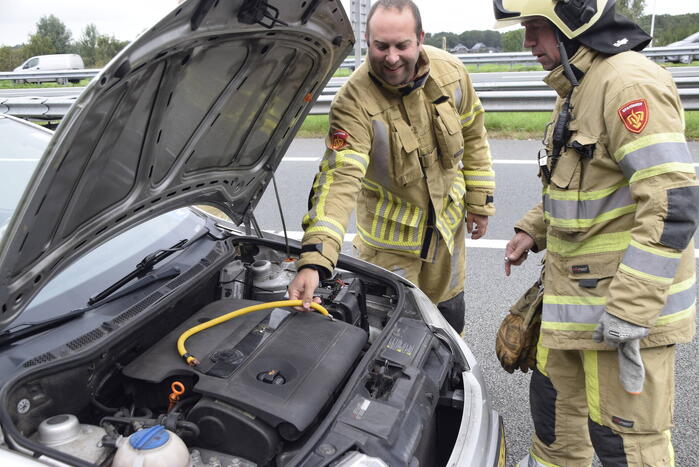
[[480, 243], [301, 159], [495, 161]]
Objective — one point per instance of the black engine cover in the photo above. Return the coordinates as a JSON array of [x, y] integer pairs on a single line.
[[281, 366]]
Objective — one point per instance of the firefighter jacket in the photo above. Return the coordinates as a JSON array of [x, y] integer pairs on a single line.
[[413, 159], [619, 212]]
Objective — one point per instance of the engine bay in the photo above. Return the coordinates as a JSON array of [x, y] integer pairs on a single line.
[[272, 387]]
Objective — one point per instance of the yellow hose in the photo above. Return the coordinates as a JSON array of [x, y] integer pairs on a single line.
[[192, 361]]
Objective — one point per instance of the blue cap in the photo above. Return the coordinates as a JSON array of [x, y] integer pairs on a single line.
[[150, 438]]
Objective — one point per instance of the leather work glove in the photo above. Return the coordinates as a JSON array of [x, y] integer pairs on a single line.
[[626, 337], [518, 334]]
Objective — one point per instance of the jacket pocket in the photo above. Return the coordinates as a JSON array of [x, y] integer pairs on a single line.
[[589, 272], [404, 153], [447, 130]]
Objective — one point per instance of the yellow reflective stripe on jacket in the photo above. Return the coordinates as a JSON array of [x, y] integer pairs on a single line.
[[316, 220], [453, 211], [650, 263], [653, 155], [479, 178], [602, 243], [578, 209], [468, 117], [348, 157], [397, 224]]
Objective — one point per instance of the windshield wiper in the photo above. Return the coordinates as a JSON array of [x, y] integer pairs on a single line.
[[144, 270], [145, 266]]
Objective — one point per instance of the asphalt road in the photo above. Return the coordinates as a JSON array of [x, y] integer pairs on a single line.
[[488, 292]]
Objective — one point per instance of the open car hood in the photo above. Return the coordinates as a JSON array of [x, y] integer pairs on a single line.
[[198, 110]]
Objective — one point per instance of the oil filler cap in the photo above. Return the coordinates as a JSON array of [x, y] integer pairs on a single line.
[[150, 438], [271, 377]]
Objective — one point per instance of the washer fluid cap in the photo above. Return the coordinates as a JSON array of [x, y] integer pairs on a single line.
[[150, 438]]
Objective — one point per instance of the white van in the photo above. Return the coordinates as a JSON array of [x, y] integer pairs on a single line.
[[53, 62]]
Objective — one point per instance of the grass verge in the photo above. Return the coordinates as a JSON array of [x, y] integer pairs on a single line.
[[500, 125]]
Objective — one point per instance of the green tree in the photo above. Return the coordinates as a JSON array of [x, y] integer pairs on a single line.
[[10, 57], [87, 45], [107, 48], [51, 30], [512, 40], [38, 45], [632, 9]]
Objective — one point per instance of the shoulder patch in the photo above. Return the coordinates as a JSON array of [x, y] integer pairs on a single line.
[[338, 139], [634, 115]]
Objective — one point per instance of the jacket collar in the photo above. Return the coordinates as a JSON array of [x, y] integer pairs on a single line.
[[580, 63], [423, 72]]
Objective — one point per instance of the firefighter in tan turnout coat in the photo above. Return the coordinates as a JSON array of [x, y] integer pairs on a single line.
[[408, 147], [620, 207]]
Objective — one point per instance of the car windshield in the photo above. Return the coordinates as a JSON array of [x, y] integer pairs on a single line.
[[20, 151]]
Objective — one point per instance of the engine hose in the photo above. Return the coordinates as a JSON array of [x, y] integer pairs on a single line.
[[193, 361]]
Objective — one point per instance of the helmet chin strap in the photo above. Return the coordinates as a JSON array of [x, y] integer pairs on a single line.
[[567, 70]]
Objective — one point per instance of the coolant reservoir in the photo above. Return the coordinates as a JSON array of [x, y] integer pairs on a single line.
[[270, 280], [152, 447]]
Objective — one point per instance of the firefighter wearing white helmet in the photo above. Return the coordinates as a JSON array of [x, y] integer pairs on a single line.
[[620, 205]]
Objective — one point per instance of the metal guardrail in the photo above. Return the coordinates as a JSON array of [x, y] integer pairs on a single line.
[[466, 59], [499, 92], [65, 75], [526, 57]]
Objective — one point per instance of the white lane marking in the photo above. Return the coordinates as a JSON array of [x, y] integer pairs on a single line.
[[317, 159], [12, 159], [301, 159], [480, 243], [513, 161]]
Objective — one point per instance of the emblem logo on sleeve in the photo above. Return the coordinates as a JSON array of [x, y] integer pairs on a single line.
[[338, 139], [634, 115]]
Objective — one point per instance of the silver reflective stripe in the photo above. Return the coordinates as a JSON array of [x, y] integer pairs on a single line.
[[590, 208], [328, 225], [356, 157], [478, 178], [380, 152], [558, 313], [381, 212], [416, 233], [649, 263], [679, 301], [373, 242], [400, 222], [655, 154], [458, 95], [312, 214], [468, 118]]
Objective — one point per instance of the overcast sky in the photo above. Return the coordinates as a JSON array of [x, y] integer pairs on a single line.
[[125, 19]]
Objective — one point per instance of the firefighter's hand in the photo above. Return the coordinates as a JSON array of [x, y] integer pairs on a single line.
[[303, 286], [517, 250], [615, 332], [476, 225]]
